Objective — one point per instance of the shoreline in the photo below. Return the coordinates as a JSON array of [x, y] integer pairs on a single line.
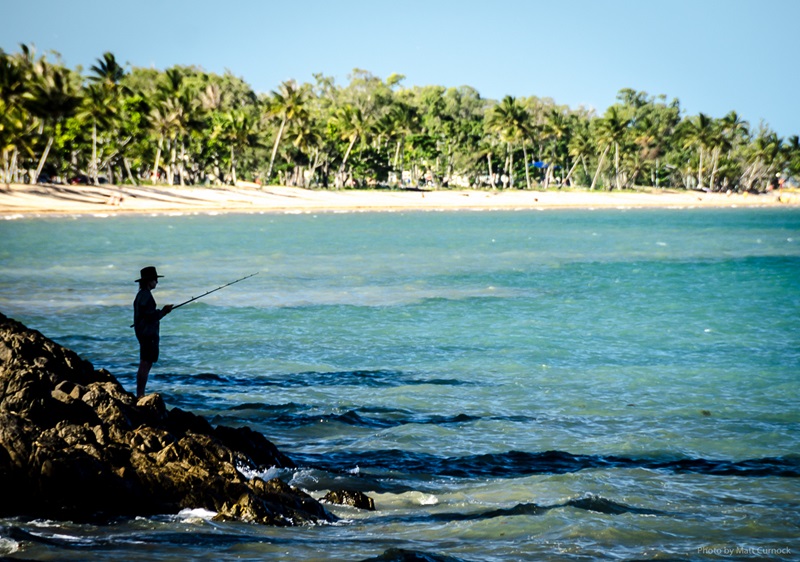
[[21, 200]]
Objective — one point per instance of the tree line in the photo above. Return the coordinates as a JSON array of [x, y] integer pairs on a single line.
[[187, 126]]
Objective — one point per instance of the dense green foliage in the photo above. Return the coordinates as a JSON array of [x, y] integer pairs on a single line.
[[187, 126]]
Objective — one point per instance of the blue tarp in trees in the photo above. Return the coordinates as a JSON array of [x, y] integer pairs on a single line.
[[540, 164]]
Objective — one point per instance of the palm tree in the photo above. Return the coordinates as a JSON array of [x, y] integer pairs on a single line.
[[734, 127], [15, 122], [239, 129], [652, 135], [578, 147], [350, 125], [99, 107], [698, 133], [510, 120], [107, 71], [162, 123], [732, 132], [186, 121], [12, 79], [53, 98], [556, 128], [486, 149], [611, 130], [211, 98], [766, 158], [308, 138], [718, 141], [173, 117], [396, 123], [101, 101], [172, 120], [15, 127], [792, 148], [288, 103], [134, 126]]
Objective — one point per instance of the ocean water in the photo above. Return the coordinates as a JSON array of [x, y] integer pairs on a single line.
[[516, 385]]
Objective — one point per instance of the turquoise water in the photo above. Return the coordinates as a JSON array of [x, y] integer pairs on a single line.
[[560, 385]]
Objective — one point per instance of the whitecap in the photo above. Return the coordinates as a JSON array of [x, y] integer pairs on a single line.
[[265, 475], [8, 546], [44, 523], [195, 514], [427, 499]]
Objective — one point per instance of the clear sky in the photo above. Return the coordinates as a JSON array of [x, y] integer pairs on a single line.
[[713, 55]]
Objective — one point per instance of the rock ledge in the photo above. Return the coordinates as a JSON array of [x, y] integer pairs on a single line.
[[75, 445]]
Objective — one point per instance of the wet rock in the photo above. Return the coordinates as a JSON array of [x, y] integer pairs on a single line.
[[403, 555], [255, 446], [74, 444], [354, 499], [274, 503]]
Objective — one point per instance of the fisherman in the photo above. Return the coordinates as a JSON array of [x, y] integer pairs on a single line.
[[146, 319]]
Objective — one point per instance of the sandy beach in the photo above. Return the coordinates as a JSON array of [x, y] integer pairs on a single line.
[[26, 200]]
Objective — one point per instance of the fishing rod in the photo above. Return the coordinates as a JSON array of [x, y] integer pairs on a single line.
[[211, 291], [214, 290]]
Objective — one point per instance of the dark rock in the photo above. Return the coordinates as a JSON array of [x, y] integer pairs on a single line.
[[258, 449], [346, 497], [403, 555], [274, 503], [183, 422], [74, 444]]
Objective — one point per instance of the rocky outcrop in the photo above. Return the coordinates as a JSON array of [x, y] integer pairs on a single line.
[[74, 444], [351, 498]]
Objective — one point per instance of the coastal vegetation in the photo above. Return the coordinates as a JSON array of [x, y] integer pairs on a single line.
[[186, 126]]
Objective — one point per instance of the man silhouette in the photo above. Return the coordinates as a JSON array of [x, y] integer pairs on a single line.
[[146, 324]]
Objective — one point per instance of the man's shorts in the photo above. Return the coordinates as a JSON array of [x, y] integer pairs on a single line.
[[148, 349]]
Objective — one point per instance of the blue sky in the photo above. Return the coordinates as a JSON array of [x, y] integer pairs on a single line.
[[713, 55]]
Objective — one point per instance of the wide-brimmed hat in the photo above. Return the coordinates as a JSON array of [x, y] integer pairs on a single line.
[[148, 274]]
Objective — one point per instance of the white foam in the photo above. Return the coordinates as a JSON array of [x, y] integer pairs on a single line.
[[195, 514], [427, 499], [265, 475], [8, 546]]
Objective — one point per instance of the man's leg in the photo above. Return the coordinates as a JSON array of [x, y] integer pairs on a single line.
[[141, 377]]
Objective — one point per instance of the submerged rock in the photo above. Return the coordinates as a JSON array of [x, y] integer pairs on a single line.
[[403, 555], [347, 497], [74, 444]]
